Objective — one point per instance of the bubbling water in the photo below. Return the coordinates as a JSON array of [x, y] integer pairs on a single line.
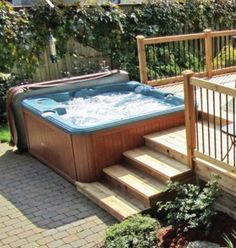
[[89, 111]]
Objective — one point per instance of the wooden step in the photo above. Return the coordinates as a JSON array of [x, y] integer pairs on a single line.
[[112, 200], [157, 164], [136, 182], [171, 142]]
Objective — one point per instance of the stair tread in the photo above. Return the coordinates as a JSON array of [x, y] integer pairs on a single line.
[[112, 200], [174, 138], [136, 179], [157, 162]]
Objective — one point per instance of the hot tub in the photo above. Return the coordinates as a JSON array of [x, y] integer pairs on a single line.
[[81, 131]]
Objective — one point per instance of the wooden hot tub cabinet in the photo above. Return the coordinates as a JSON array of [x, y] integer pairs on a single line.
[[83, 157]]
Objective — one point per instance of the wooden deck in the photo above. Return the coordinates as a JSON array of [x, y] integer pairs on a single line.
[[209, 140], [228, 80], [139, 181]]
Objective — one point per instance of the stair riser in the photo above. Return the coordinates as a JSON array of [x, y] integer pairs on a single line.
[[167, 151], [187, 177], [149, 171], [130, 190]]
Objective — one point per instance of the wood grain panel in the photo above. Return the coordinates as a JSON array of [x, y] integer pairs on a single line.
[[83, 157], [106, 147], [50, 145]]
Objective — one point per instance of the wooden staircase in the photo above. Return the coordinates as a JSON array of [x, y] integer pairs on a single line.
[[140, 181]]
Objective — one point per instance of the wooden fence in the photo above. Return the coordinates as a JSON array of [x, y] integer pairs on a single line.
[[79, 60], [162, 59]]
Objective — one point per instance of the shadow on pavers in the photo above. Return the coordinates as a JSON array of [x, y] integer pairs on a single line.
[[44, 197]]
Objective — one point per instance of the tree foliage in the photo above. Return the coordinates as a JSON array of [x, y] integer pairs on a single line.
[[110, 29]]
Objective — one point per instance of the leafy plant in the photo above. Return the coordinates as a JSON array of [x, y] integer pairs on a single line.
[[137, 231], [4, 133], [226, 57], [4, 86], [192, 206], [228, 241]]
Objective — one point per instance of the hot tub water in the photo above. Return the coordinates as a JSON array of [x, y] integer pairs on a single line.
[[110, 106]]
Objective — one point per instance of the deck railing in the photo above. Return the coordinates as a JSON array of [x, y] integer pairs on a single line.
[[210, 121], [162, 59]]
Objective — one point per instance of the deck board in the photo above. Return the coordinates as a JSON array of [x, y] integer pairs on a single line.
[[226, 80], [141, 183], [209, 140], [158, 163], [114, 202]]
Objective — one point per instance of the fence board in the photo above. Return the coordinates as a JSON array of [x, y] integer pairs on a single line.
[[86, 56]]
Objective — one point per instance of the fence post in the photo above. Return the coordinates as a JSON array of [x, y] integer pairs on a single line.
[[142, 59], [189, 116], [208, 51]]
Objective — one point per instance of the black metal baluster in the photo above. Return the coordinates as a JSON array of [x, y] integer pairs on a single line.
[[189, 52], [169, 51], [227, 128], [179, 48], [221, 65], [221, 138], [203, 55], [194, 54], [184, 52], [214, 122], [225, 43], [155, 62], [148, 62], [217, 52], [174, 52], [196, 117], [202, 121], [234, 128], [233, 42], [199, 54], [229, 63], [153, 68], [208, 123]]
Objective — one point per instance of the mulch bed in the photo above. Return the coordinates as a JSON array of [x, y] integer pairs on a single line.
[[170, 237]]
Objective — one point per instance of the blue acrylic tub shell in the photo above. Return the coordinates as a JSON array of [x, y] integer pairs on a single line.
[[48, 107]]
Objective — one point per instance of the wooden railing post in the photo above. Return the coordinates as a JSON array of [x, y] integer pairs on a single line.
[[208, 51], [189, 116], [142, 59]]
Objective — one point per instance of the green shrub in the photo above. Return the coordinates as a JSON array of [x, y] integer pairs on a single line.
[[138, 231], [4, 133], [226, 57], [192, 206], [4, 86]]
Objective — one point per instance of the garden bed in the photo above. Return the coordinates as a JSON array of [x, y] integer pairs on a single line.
[[188, 216], [222, 224]]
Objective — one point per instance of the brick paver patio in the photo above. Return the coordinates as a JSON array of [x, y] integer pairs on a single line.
[[38, 208]]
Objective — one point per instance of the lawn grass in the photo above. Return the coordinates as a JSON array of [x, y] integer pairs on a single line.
[[4, 133]]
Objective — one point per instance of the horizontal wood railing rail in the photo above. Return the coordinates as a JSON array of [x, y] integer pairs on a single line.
[[165, 39], [206, 84], [223, 33], [202, 48], [211, 141]]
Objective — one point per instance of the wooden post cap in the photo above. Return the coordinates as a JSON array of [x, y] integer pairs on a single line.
[[207, 30], [187, 72], [140, 37]]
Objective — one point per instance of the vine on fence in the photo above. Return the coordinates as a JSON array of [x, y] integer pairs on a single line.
[[109, 29]]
